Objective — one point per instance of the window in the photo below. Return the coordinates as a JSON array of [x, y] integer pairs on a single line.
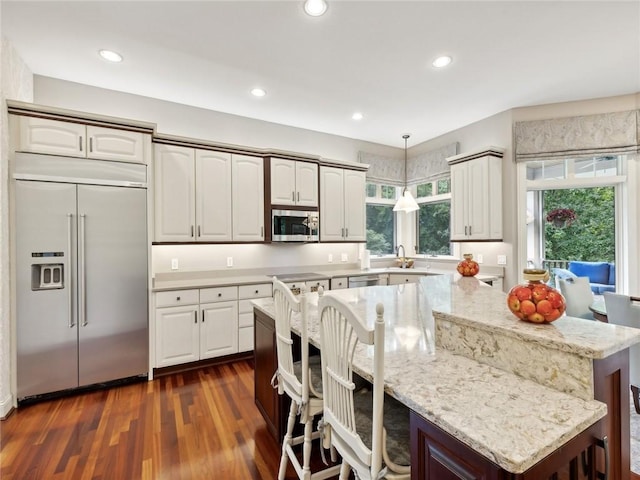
[[434, 217], [380, 218]]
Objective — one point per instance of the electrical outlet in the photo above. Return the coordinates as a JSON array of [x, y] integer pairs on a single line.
[[331, 258], [502, 259], [344, 257], [229, 261], [174, 264], [479, 258]]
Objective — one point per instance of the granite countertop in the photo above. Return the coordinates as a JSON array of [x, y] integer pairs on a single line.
[[206, 279], [513, 421]]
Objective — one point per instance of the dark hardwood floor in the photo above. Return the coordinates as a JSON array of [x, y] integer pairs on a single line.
[[200, 424]]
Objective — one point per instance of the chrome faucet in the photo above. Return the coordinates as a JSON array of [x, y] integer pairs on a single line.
[[403, 259]]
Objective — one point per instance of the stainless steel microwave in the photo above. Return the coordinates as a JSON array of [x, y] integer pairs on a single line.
[[294, 226]]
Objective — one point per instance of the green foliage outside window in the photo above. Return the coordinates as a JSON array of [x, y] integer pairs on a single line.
[[433, 228], [371, 189], [591, 237], [444, 186], [425, 190], [380, 226]]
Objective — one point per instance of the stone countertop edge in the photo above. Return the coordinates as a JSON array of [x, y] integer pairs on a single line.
[[436, 391], [208, 279]]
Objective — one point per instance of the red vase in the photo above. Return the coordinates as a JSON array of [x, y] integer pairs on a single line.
[[468, 267], [535, 301]]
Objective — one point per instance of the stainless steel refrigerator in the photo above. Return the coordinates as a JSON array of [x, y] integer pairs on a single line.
[[82, 276]]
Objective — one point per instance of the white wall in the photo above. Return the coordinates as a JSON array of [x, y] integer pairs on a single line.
[[16, 83], [253, 256], [183, 120]]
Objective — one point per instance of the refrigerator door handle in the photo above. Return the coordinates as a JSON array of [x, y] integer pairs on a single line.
[[69, 284], [82, 311]]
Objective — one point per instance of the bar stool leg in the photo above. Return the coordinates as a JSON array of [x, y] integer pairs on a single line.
[[287, 440]]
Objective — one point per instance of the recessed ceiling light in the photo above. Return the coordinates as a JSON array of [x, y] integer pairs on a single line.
[[442, 61], [258, 92], [315, 8], [357, 116], [111, 56]]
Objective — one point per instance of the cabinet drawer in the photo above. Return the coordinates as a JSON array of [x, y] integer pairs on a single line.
[[255, 291], [245, 319], [400, 279], [219, 294], [245, 339], [339, 283], [245, 306], [312, 285], [174, 298]]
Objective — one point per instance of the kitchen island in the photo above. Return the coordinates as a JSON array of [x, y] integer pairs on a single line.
[[478, 381]]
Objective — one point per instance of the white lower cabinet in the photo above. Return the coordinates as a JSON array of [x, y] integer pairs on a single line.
[[398, 278], [246, 293], [195, 324]]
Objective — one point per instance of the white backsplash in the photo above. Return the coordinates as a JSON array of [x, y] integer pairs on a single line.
[[251, 256]]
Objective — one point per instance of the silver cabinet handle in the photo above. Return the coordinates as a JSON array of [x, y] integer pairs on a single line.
[[293, 196], [262, 231], [90, 144], [192, 230], [195, 316], [469, 230], [465, 229], [346, 235], [343, 233], [199, 231], [298, 196], [80, 142], [203, 316], [69, 284], [82, 313]]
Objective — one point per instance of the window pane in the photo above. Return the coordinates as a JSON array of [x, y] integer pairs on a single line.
[[596, 167], [371, 189], [444, 186], [425, 190], [544, 170], [380, 229], [433, 228], [388, 191]]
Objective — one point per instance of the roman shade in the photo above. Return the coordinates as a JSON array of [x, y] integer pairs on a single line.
[[582, 136], [422, 168]]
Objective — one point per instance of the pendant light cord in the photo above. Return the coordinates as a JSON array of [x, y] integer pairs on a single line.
[[406, 137]]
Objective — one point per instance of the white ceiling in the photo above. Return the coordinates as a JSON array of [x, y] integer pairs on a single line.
[[368, 56]]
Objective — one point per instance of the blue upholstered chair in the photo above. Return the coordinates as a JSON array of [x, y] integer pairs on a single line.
[[601, 275]]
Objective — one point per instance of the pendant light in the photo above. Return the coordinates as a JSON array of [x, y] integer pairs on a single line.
[[406, 203]]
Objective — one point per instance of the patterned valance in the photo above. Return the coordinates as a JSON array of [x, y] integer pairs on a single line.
[[583, 136], [421, 168]]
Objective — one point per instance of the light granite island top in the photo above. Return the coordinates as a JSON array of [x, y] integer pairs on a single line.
[[513, 418]]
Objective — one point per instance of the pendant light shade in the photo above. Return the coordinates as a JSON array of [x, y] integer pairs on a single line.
[[406, 203]]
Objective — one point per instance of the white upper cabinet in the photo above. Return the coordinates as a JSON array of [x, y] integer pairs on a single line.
[[54, 137], [342, 205], [213, 196], [175, 197], [248, 198], [192, 195], [476, 195], [294, 183]]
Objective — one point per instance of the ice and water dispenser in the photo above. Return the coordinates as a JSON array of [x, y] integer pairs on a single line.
[[47, 275]]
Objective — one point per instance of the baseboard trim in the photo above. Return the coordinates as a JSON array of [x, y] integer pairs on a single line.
[[6, 407]]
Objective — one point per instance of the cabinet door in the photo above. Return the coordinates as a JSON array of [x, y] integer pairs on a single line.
[[40, 135], [478, 198], [213, 196], [114, 144], [307, 184], [174, 194], [245, 339], [177, 333], [283, 182], [354, 205], [218, 329], [331, 204], [248, 198], [459, 201]]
